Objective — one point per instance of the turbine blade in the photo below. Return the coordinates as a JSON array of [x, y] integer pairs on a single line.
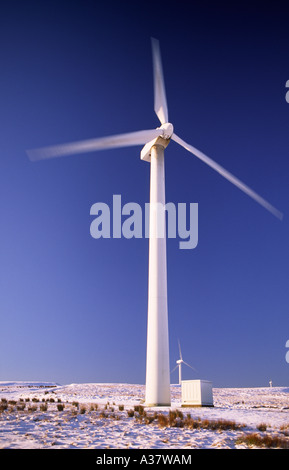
[[160, 104], [189, 366], [180, 351], [174, 369], [91, 145], [226, 174]]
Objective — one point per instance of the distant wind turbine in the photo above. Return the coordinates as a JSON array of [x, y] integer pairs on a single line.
[[155, 140], [179, 365]]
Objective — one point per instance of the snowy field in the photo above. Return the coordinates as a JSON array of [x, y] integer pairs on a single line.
[[40, 415]]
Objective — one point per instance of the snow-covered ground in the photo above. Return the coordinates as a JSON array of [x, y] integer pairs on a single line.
[[96, 416]]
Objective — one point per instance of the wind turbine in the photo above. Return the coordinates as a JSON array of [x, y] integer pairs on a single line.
[[155, 140], [179, 365]]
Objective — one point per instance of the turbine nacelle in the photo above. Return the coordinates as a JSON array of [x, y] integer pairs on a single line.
[[167, 129], [163, 140]]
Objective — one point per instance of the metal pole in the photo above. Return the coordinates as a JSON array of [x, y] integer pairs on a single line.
[[157, 368]]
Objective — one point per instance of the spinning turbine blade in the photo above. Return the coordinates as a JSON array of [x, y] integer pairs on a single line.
[[160, 104], [189, 366], [226, 174], [91, 145], [180, 350], [174, 369]]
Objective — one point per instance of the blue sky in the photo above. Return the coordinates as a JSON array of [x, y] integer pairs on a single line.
[[73, 308]]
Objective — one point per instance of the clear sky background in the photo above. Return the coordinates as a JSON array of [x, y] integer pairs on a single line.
[[74, 309]]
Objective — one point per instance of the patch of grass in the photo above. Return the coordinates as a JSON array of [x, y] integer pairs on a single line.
[[20, 406], [140, 413], [149, 419], [265, 441], [163, 420], [139, 409], [3, 407], [32, 408], [175, 418], [262, 427], [285, 429]]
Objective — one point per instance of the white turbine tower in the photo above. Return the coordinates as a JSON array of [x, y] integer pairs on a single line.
[[179, 365], [156, 140]]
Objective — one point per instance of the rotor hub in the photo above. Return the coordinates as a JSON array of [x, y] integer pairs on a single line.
[[163, 140], [167, 129]]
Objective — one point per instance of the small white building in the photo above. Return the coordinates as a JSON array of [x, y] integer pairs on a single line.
[[197, 393]]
